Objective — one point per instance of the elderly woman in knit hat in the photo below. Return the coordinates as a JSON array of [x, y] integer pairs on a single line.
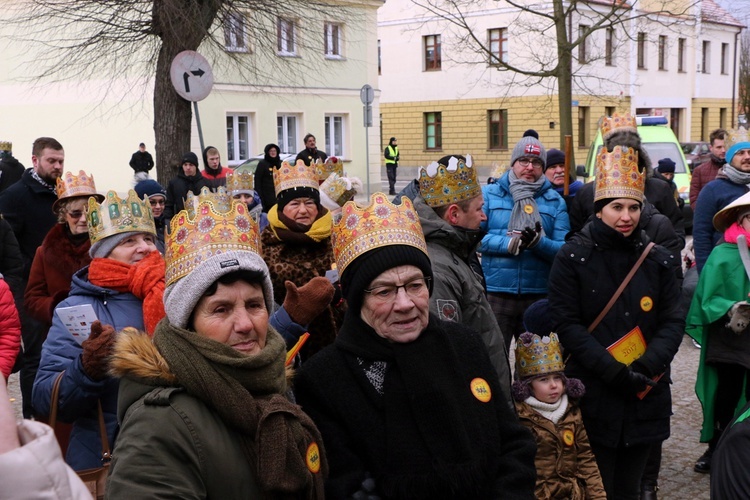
[[409, 406], [121, 287], [297, 246], [203, 405], [620, 342]]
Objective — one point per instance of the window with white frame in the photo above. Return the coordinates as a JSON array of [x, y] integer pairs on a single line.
[[335, 127], [238, 138], [724, 58], [235, 33], [286, 132], [706, 59], [286, 34], [332, 33], [681, 54]]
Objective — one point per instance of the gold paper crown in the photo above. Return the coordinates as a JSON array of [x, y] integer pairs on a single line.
[[358, 229], [335, 187], [735, 136], [240, 181], [116, 215], [617, 174], [449, 184], [210, 229], [69, 186], [6, 146], [292, 177], [221, 199], [332, 165], [609, 124], [541, 356]]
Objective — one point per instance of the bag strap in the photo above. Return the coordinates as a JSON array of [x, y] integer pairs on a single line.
[[54, 398], [619, 291], [106, 454]]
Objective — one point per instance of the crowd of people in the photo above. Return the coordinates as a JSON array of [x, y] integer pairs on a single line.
[[238, 335]]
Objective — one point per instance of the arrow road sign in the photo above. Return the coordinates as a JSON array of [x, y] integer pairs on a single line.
[[191, 76]]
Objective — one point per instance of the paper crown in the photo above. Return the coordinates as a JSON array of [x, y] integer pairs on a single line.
[[448, 184], [358, 229], [221, 199], [116, 215], [338, 189], [736, 136], [6, 146], [610, 124], [542, 355], [210, 227], [70, 186], [240, 181], [617, 174], [292, 177], [332, 165]]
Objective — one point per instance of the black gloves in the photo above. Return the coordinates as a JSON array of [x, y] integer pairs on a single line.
[[629, 381], [530, 236]]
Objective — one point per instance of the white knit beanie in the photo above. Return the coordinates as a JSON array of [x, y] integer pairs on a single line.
[[181, 297]]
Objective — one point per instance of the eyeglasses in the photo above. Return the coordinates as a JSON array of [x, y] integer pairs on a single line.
[[536, 163], [76, 214], [157, 202], [413, 289]]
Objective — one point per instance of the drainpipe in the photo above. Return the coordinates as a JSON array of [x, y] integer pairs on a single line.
[[734, 78]]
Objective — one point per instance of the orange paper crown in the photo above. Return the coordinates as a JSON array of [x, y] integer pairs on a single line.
[[292, 177], [72, 186], [209, 228], [358, 229], [332, 165], [116, 215], [542, 355], [617, 175], [240, 181], [610, 124], [449, 184]]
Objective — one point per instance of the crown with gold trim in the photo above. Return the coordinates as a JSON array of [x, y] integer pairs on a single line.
[[332, 165], [211, 227], [221, 199], [358, 229], [442, 185], [70, 186], [537, 355], [616, 122], [736, 136], [116, 215], [618, 176], [338, 189], [6, 146], [294, 176], [240, 181]]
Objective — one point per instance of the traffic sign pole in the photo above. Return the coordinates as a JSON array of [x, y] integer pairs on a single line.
[[198, 121], [367, 95]]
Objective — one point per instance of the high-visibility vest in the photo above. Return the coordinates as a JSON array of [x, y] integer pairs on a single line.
[[394, 153]]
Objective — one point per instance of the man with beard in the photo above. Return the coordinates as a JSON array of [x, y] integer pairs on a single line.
[[27, 206], [311, 154], [706, 171]]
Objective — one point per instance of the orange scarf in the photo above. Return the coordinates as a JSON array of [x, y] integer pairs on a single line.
[[145, 280]]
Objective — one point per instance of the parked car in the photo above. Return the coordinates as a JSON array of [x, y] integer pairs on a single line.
[[695, 153], [251, 164]]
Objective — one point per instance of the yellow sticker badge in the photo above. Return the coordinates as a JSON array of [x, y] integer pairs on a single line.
[[568, 437], [313, 458], [528, 209], [481, 390], [646, 303]]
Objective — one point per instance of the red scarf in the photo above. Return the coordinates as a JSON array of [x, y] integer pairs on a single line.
[[733, 231], [144, 279]]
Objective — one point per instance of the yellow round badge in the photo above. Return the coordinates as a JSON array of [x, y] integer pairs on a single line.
[[646, 303], [568, 437], [313, 458], [481, 390], [528, 209]]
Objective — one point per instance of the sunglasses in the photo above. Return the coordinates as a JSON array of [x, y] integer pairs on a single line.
[[76, 214]]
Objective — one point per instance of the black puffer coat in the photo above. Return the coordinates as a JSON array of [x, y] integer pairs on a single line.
[[585, 274], [177, 192]]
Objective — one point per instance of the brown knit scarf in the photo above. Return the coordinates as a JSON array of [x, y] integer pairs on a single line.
[[144, 279], [248, 393]]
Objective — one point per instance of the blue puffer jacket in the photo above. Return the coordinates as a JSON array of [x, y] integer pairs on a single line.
[[528, 272], [78, 392]]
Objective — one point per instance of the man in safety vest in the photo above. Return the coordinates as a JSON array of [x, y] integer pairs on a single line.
[[391, 164]]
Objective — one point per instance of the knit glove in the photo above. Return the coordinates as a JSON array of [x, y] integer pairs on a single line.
[[515, 245], [305, 303], [739, 316], [530, 236], [96, 350]]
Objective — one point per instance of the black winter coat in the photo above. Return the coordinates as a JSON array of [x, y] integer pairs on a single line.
[[659, 229], [141, 161], [11, 171], [585, 274], [264, 178], [177, 192]]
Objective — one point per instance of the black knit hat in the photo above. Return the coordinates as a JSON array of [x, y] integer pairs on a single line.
[[359, 274], [190, 157], [666, 165], [288, 195], [554, 157]]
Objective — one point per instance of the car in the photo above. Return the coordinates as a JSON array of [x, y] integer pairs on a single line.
[[695, 153], [251, 164]]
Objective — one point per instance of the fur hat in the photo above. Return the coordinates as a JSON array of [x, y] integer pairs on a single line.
[[529, 147]]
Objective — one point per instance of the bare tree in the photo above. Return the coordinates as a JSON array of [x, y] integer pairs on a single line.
[[139, 39], [550, 47], [744, 75]]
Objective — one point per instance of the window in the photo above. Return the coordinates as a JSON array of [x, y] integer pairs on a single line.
[[609, 110], [583, 127], [681, 55], [498, 40], [662, 52], [724, 58], [675, 119], [286, 37], [583, 45], [704, 124], [332, 40], [432, 53], [609, 46], [723, 118], [497, 127], [641, 50], [235, 33], [335, 135], [380, 61], [238, 138], [706, 57], [433, 130], [286, 132]]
